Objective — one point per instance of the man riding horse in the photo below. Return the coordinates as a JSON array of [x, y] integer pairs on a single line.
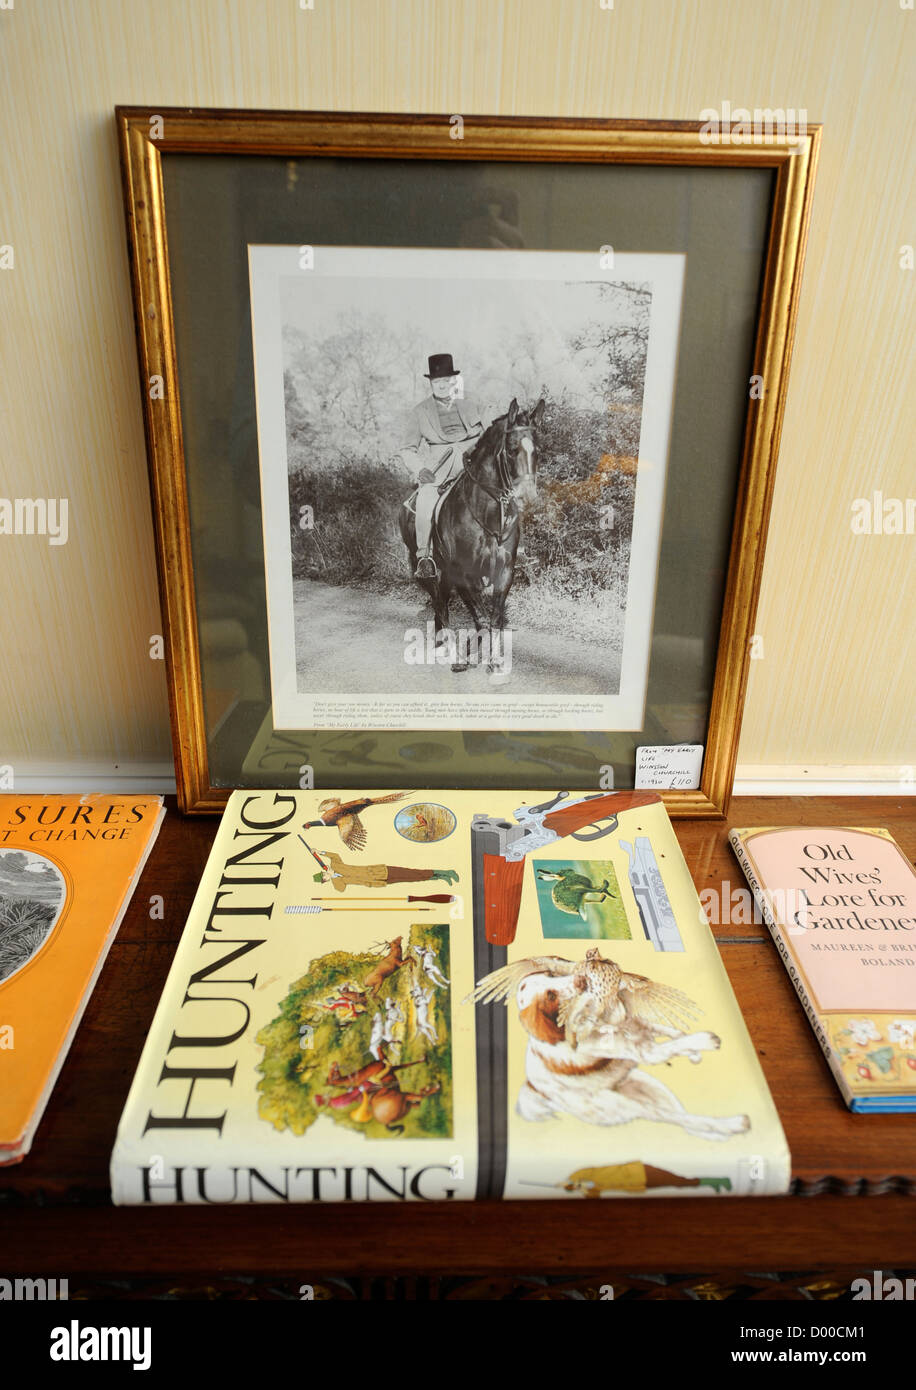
[[439, 433], [471, 544]]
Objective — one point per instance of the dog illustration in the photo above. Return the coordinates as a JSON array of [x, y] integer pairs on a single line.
[[599, 1078]]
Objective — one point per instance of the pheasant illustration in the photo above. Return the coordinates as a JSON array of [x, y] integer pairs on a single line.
[[597, 994], [598, 983], [345, 815]]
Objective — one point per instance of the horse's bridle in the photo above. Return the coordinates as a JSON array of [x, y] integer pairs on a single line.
[[506, 496]]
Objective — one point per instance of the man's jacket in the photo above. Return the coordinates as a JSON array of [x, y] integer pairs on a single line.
[[423, 445], [366, 875]]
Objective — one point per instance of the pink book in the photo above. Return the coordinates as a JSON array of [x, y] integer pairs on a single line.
[[841, 906]]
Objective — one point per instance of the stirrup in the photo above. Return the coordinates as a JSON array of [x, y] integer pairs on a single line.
[[426, 568]]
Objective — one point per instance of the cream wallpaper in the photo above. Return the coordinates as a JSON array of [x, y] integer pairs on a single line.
[[834, 687]]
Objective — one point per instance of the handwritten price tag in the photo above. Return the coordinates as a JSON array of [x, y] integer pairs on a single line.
[[669, 767]]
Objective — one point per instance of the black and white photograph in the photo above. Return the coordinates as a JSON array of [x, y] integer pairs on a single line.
[[32, 893], [463, 458]]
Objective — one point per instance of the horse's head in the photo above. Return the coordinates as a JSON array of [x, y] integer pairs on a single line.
[[518, 452]]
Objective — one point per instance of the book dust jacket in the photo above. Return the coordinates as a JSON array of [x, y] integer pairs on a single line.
[[442, 996], [841, 907], [68, 867]]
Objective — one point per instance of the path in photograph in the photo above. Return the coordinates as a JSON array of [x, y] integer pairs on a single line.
[[350, 640]]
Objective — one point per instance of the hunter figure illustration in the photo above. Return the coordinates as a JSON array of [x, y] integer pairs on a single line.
[[636, 1177], [439, 434], [341, 875]]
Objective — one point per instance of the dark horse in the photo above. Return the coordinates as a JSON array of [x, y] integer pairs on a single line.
[[476, 534]]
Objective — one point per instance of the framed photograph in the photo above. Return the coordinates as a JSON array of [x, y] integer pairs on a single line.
[[462, 436]]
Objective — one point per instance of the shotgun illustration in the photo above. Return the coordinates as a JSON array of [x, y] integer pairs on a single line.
[[499, 849], [655, 910], [317, 857]]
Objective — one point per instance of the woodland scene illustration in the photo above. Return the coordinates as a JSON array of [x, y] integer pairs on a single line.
[[365, 1038], [31, 896], [425, 822]]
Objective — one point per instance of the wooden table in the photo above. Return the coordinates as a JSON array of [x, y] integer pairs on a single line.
[[55, 1212]]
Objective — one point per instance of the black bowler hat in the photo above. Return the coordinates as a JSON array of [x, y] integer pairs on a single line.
[[440, 364]]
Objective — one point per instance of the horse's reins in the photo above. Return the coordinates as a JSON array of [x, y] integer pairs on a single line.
[[507, 495]]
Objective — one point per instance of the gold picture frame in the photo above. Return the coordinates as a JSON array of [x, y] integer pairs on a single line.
[[149, 136]]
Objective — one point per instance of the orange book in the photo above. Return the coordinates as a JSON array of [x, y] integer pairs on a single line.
[[68, 868]]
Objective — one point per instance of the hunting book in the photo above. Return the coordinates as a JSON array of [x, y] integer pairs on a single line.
[[442, 996], [840, 904], [68, 867]]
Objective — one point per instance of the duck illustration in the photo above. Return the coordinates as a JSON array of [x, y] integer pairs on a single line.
[[345, 816], [571, 890]]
